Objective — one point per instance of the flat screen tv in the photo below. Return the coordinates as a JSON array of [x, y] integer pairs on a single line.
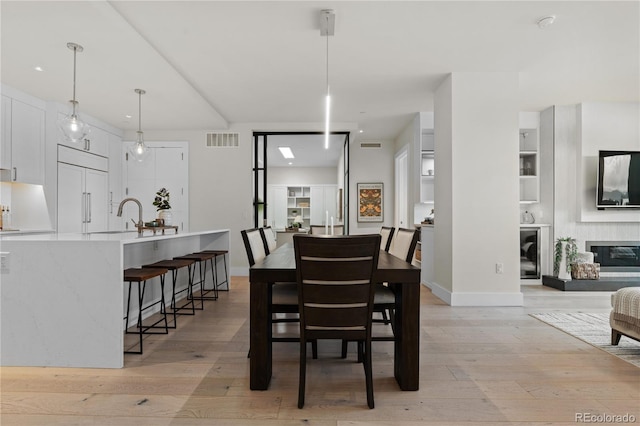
[[618, 179]]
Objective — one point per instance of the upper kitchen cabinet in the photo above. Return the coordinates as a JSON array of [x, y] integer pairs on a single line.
[[23, 136], [96, 142]]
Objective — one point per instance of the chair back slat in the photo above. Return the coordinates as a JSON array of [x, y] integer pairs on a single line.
[[404, 243], [270, 241]]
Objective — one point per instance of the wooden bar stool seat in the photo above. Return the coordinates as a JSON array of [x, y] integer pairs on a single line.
[[201, 259], [174, 265], [223, 254], [141, 276]]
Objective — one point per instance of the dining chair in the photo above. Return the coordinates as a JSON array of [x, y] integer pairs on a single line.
[[387, 235], [335, 279], [402, 245], [269, 239], [284, 295], [322, 230]]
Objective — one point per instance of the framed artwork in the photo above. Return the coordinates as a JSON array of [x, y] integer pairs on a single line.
[[370, 205]]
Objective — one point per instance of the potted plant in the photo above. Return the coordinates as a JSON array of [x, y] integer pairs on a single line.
[[565, 253], [161, 201]]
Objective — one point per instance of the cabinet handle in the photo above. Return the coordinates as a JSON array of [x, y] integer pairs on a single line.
[[84, 207], [89, 206], [15, 174]]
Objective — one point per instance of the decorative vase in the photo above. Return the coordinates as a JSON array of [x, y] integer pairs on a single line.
[[166, 216], [563, 274]]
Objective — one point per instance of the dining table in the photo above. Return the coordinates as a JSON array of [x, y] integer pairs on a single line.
[[280, 266]]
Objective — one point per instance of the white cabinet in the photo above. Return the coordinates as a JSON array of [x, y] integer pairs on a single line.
[[285, 203], [82, 199], [23, 130], [529, 182], [323, 203], [96, 142]]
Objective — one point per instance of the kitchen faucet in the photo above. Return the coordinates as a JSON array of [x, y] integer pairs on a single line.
[[140, 223]]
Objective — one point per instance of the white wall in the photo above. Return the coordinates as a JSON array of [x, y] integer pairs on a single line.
[[302, 175], [371, 165], [482, 177], [579, 132]]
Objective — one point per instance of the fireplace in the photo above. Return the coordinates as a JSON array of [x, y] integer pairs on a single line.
[[618, 256]]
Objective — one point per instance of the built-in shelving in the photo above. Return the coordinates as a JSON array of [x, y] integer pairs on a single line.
[[529, 167], [299, 204]]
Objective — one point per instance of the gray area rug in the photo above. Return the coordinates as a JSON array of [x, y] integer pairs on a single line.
[[595, 330]]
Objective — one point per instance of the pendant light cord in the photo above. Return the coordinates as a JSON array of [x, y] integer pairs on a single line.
[[73, 102], [139, 112]]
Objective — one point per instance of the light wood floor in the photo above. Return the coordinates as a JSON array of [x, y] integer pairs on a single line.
[[478, 366]]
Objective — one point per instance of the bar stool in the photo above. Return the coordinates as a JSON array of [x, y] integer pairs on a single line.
[[140, 276], [219, 253], [174, 265], [201, 259]]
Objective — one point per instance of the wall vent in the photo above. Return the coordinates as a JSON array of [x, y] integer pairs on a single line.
[[222, 140], [370, 145]]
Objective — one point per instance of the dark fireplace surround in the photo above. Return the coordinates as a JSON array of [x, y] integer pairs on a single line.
[[613, 257]]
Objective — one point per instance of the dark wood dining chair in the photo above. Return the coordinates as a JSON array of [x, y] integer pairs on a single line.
[[335, 280], [284, 295], [402, 244], [269, 239], [386, 232]]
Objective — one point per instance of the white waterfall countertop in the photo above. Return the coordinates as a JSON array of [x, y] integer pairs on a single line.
[[62, 295]]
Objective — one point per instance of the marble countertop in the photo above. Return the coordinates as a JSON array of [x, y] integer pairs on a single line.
[[125, 237]]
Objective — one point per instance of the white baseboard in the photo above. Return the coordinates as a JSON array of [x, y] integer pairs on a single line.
[[476, 299]]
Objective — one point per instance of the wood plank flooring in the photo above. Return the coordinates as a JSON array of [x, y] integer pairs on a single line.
[[478, 366]]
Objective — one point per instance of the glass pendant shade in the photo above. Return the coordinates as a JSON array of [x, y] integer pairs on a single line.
[[73, 129], [139, 151]]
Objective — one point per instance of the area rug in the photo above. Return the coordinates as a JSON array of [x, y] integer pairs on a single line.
[[595, 330]]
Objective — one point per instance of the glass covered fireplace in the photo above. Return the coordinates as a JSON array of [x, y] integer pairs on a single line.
[[616, 256]]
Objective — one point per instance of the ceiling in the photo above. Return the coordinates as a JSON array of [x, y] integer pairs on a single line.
[[209, 64], [309, 150]]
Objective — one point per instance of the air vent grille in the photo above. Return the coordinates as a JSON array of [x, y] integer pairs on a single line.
[[370, 145], [222, 140]]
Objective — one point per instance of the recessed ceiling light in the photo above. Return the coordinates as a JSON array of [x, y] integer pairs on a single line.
[[127, 116], [360, 131], [546, 21], [38, 68], [290, 163], [286, 152]]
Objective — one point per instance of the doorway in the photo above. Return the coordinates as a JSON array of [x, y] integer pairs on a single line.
[[401, 196], [305, 189]]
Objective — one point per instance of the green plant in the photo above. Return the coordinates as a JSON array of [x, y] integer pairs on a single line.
[[162, 200], [570, 250]]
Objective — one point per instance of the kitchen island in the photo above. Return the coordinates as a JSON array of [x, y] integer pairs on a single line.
[[62, 295]]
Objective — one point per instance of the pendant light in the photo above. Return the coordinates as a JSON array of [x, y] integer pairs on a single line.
[[73, 129], [139, 151], [327, 26]]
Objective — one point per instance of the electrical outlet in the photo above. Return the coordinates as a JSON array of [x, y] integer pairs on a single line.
[[499, 268]]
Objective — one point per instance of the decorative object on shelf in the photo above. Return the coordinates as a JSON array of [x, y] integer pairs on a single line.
[[74, 129], [297, 222], [139, 151], [370, 202], [527, 217], [161, 201], [430, 218], [565, 252]]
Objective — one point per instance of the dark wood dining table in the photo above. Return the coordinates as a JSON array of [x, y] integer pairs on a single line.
[[280, 266]]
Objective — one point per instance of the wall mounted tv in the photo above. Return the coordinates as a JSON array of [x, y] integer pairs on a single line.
[[618, 179]]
